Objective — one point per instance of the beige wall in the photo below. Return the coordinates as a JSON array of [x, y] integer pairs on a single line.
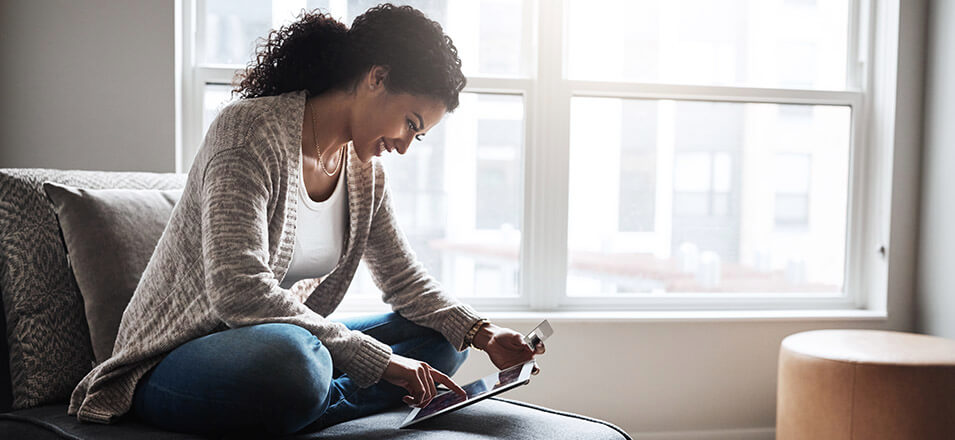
[[653, 377], [90, 85], [936, 279], [87, 84]]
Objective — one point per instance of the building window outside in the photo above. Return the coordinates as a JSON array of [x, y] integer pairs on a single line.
[[793, 173]]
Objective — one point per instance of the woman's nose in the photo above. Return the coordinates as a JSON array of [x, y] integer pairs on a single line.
[[403, 144]]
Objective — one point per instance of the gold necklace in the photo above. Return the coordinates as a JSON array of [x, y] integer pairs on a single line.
[[321, 163]]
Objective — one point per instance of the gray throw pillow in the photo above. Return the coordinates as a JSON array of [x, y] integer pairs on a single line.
[[110, 234]]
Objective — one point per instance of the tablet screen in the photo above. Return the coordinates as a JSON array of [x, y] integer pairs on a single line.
[[477, 390]]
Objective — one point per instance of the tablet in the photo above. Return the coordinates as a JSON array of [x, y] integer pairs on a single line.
[[478, 390]]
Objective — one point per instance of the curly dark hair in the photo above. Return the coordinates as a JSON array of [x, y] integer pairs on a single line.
[[318, 53]]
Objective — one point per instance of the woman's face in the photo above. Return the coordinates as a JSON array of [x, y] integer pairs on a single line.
[[386, 122]]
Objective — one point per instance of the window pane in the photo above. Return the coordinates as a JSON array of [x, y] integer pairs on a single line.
[[458, 196], [792, 173], [214, 98], [229, 29], [789, 44], [487, 33], [691, 172], [638, 168], [743, 197]]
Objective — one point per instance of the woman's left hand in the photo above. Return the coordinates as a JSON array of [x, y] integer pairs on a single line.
[[505, 347]]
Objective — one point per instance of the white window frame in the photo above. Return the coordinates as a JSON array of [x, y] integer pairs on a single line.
[[871, 93]]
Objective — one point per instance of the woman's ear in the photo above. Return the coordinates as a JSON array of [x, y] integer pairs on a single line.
[[377, 76]]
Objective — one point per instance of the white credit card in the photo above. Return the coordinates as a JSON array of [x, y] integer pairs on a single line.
[[539, 334]]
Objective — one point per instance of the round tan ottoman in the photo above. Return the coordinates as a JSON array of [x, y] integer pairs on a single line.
[[865, 385]]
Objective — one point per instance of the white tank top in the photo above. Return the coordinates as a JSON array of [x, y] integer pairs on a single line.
[[319, 233]]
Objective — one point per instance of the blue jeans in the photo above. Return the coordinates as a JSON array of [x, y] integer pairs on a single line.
[[277, 379]]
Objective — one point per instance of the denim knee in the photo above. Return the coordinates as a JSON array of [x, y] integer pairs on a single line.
[[300, 368]]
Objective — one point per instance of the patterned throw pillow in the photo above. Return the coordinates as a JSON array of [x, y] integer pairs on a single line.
[[47, 335]]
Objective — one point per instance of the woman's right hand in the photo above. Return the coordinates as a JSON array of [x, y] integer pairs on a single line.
[[418, 378]]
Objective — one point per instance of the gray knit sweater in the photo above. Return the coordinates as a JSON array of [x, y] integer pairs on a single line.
[[228, 245]]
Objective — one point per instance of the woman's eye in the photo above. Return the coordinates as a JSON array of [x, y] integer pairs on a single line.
[[414, 129]]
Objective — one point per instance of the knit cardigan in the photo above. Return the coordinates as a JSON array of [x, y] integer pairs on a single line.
[[228, 245]]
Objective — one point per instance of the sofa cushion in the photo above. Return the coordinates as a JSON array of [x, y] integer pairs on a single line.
[[493, 418], [110, 235], [46, 330]]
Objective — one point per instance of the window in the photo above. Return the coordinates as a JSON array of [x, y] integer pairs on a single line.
[[458, 193], [619, 154]]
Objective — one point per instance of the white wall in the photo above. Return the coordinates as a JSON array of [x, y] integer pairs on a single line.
[[936, 279], [87, 84], [654, 377]]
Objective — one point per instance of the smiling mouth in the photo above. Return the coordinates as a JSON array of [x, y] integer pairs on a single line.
[[383, 147]]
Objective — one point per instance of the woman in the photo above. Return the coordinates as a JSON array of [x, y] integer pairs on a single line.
[[226, 330]]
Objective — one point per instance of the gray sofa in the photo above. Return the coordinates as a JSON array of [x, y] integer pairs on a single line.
[[48, 349]]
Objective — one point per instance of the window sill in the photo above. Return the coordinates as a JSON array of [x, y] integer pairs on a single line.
[[691, 316]]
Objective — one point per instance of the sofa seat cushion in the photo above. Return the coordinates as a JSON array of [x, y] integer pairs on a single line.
[[491, 419]]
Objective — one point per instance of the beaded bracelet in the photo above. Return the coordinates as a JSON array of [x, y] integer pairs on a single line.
[[469, 338]]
